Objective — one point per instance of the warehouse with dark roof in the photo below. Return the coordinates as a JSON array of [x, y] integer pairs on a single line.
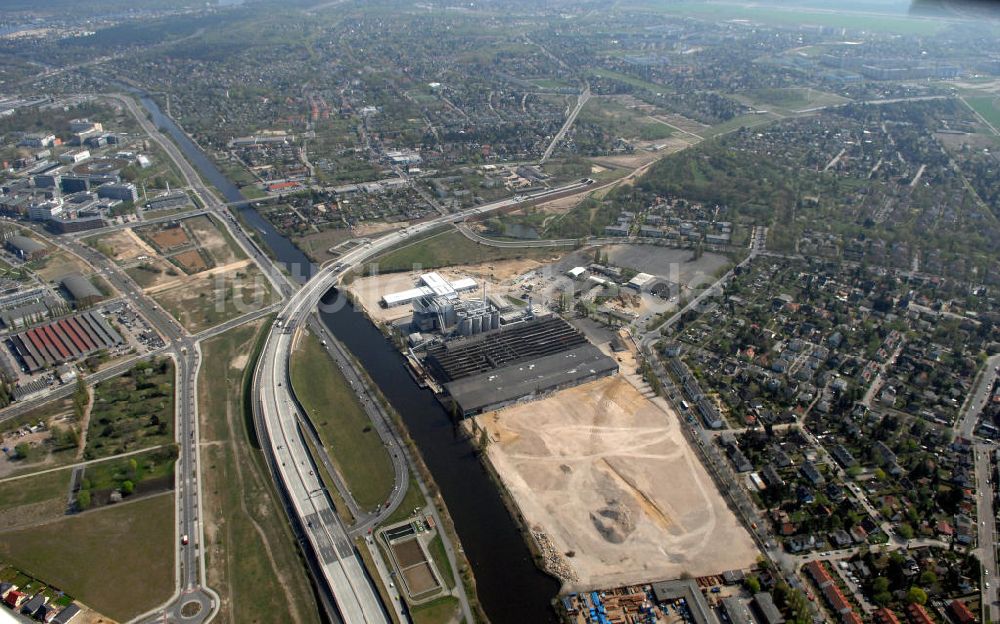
[[521, 362], [81, 290], [26, 248]]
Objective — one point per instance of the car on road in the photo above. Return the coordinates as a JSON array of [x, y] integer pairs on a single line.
[[184, 540]]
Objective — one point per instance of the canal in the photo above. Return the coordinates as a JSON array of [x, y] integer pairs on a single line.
[[509, 585]]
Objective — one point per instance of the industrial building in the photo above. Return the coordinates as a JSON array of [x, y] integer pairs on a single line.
[[64, 340], [168, 200], [688, 591], [430, 284], [81, 290], [502, 366], [26, 248]]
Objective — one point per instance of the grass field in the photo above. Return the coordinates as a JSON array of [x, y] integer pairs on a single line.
[[344, 427], [436, 548], [619, 120], [631, 80], [253, 561], [118, 560], [413, 499], [793, 99], [748, 121], [450, 248], [149, 473], [988, 106], [34, 489], [439, 611], [135, 410]]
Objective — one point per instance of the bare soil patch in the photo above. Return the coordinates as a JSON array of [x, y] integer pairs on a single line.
[[191, 261], [212, 240], [604, 472], [169, 238]]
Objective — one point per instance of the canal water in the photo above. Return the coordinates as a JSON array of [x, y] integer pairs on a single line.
[[510, 587]]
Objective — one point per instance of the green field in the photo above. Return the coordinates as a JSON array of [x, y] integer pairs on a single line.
[[621, 121], [436, 548], [343, 426], [413, 499], [449, 248], [148, 473], [253, 561], [132, 411], [438, 611], [630, 80], [118, 560], [793, 99], [988, 106], [792, 16], [34, 489], [552, 83], [748, 121]]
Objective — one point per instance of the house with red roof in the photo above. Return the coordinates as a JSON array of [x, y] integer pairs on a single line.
[[961, 612]]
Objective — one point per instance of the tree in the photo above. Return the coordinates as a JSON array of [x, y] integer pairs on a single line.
[[916, 595], [22, 450], [127, 487], [83, 499], [928, 578], [753, 584]]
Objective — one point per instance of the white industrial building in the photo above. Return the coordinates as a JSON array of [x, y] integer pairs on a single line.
[[642, 282], [430, 284]]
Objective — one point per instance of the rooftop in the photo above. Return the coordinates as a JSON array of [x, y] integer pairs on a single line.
[[504, 385]]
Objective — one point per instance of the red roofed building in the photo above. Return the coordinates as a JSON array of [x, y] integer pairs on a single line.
[[836, 599], [14, 598], [818, 573], [961, 612], [918, 614], [851, 617], [886, 616]]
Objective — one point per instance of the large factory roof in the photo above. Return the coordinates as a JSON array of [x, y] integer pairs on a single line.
[[433, 284], [501, 386], [491, 350]]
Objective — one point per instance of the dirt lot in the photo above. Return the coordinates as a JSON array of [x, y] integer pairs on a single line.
[[60, 263], [124, 245], [153, 272], [169, 238], [605, 473], [211, 297], [675, 265], [212, 240], [191, 261], [420, 579]]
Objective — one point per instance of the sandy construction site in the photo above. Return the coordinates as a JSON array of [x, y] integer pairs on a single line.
[[606, 477]]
